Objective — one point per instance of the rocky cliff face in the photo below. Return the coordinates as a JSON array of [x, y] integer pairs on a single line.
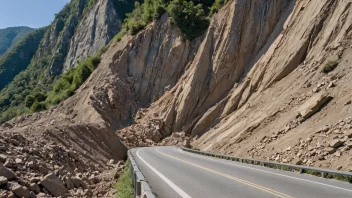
[[93, 32], [256, 88]]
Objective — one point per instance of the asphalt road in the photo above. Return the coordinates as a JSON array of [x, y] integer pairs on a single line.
[[172, 172]]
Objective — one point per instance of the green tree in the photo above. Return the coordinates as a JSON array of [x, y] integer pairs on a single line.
[[191, 18], [29, 101]]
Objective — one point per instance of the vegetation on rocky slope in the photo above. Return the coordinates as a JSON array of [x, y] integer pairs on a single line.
[[192, 17], [40, 86], [12, 35], [330, 66], [46, 66], [124, 185], [65, 86], [37, 77], [59, 90]]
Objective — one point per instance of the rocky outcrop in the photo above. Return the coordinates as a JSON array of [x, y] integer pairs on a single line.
[[314, 104], [219, 64], [101, 23]]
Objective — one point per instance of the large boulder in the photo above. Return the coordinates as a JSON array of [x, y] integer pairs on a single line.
[[7, 173], [314, 104], [54, 185]]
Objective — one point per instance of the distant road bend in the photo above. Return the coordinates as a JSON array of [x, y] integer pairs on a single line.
[[172, 172]]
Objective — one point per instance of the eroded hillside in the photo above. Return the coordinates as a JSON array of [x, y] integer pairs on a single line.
[[268, 80], [249, 88]]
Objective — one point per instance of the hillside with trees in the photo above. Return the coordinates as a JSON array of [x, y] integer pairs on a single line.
[[12, 35]]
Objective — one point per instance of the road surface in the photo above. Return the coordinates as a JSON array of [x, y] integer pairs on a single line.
[[172, 172]]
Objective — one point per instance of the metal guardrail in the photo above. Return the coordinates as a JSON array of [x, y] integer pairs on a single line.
[[141, 187], [326, 173]]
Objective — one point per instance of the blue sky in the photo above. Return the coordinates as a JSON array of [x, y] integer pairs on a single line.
[[32, 13]]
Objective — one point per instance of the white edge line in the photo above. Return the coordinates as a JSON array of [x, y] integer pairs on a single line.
[[266, 171], [170, 183]]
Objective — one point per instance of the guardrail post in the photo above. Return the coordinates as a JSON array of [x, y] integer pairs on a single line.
[[323, 174], [139, 178]]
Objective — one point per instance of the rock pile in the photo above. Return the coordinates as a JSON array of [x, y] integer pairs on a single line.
[[177, 139], [46, 169], [327, 144], [143, 134]]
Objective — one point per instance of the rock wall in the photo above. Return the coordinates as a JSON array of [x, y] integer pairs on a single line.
[[257, 70], [278, 110], [101, 23]]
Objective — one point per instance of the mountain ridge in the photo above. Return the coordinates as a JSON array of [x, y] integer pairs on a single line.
[[11, 35]]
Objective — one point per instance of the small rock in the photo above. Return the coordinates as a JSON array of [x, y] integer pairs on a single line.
[[331, 84], [69, 183], [339, 167], [18, 161], [94, 179], [349, 144], [330, 150], [43, 169], [297, 161], [35, 179], [18, 190], [336, 143], [3, 158], [111, 161], [15, 142], [6, 194], [348, 133], [77, 182], [34, 187], [323, 130], [3, 180]]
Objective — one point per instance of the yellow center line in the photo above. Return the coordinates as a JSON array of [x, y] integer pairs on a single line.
[[268, 190]]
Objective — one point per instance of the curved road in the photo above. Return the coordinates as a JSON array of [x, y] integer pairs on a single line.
[[172, 172]]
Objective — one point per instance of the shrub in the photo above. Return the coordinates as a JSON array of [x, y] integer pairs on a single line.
[[66, 85], [330, 66], [38, 106], [190, 18], [29, 101], [124, 185], [217, 5], [141, 16]]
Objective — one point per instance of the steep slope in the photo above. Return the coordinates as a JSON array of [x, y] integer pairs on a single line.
[[12, 35], [96, 29], [78, 31], [268, 80], [259, 65]]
